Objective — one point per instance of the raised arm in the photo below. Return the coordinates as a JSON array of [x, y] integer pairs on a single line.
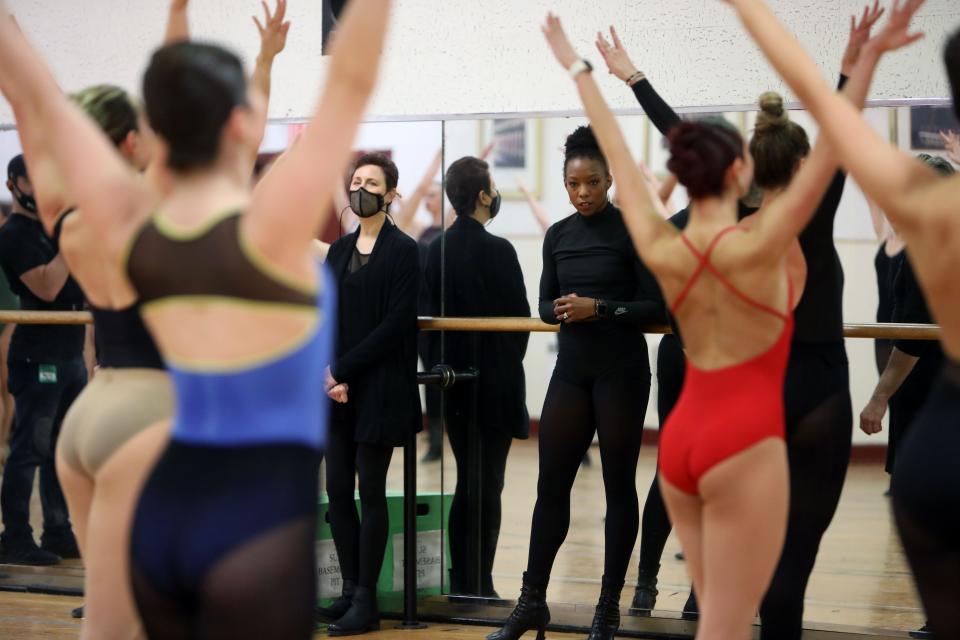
[[619, 63], [899, 184], [788, 215], [539, 213], [407, 219], [48, 183], [291, 203], [880, 226], [273, 40], [178, 27], [94, 175], [638, 202]]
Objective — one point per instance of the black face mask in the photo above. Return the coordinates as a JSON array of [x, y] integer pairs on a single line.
[[27, 202], [365, 204], [495, 205]]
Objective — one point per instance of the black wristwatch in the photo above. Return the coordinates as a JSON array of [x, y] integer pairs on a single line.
[[600, 308]]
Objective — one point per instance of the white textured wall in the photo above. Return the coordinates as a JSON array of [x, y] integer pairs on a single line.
[[463, 56]]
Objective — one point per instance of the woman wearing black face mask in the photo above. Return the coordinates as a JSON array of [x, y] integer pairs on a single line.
[[598, 290], [373, 383]]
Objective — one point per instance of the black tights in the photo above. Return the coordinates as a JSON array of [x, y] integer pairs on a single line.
[[818, 452], [494, 447], [656, 526], [282, 595], [223, 543], [360, 542], [926, 504], [612, 405]]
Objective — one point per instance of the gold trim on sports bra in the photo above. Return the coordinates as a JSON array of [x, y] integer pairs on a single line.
[[168, 229], [262, 263], [228, 301]]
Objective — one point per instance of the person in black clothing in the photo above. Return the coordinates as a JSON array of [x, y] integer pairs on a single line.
[[430, 357], [595, 286], [819, 419], [47, 372], [481, 277], [911, 370], [373, 381]]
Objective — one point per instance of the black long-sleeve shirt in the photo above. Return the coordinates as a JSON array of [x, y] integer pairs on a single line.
[[593, 257], [819, 313]]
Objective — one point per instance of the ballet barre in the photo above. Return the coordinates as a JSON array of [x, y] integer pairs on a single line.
[[532, 325], [535, 325]]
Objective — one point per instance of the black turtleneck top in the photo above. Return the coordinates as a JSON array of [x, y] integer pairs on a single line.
[[594, 257]]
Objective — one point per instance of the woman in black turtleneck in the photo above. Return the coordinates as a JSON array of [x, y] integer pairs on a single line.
[[596, 288]]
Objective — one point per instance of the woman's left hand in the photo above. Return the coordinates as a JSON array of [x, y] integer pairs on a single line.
[[339, 393], [573, 308], [558, 41]]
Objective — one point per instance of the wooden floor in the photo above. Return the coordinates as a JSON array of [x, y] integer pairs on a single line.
[[38, 617], [860, 579]]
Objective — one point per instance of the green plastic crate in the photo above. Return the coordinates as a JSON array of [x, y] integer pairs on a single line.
[[432, 511]]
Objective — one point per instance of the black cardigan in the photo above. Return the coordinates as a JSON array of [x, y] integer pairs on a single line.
[[482, 278], [376, 351]]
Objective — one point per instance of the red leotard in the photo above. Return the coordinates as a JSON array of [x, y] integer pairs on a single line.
[[722, 412]]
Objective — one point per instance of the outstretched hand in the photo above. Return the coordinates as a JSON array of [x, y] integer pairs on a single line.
[[563, 51], [860, 35], [273, 30], [951, 142], [175, 5], [896, 33], [616, 57]]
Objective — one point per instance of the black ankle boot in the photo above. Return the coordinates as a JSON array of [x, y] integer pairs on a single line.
[[606, 619], [645, 595], [362, 617], [338, 608], [530, 613], [691, 610]]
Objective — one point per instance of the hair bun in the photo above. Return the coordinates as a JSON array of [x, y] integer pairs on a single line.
[[700, 155], [772, 113], [582, 140]]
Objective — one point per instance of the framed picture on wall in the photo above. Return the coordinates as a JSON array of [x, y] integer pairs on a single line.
[[516, 155], [926, 123]]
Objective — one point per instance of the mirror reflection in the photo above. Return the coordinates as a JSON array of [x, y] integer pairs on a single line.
[[856, 573], [508, 183]]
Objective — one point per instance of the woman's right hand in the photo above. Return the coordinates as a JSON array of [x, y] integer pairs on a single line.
[[616, 57], [896, 32], [872, 415]]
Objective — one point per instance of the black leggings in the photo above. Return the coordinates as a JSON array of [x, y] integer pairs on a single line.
[[360, 542], [494, 447], [611, 404], [819, 433], [223, 543], [926, 503], [656, 526]]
